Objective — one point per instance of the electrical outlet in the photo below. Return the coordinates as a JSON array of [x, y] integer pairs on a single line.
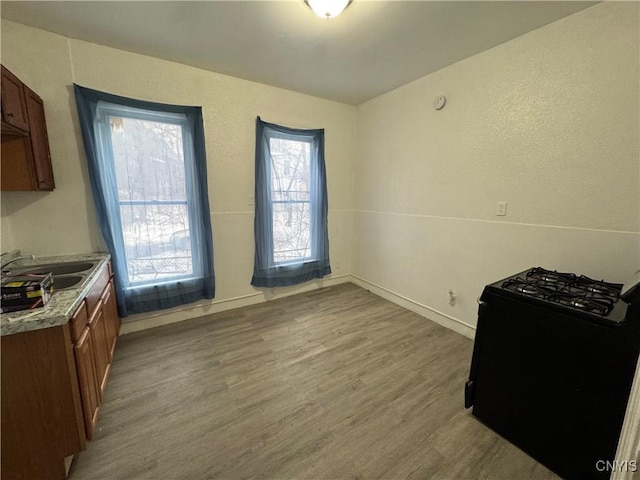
[[501, 209], [252, 201], [452, 297]]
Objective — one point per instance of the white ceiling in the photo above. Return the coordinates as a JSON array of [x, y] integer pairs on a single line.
[[373, 47]]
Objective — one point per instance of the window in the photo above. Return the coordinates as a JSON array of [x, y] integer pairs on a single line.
[[291, 199], [148, 172], [149, 160], [291, 206]]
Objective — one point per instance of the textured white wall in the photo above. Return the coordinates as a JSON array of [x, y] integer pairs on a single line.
[[63, 221], [6, 232], [547, 122]]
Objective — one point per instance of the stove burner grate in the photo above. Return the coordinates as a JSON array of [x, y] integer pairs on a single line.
[[599, 287], [598, 305], [531, 288], [579, 292], [539, 273]]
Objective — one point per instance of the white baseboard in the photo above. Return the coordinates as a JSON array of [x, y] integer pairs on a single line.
[[443, 319], [135, 323]]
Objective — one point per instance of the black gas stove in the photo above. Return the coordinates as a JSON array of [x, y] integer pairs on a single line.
[[594, 300], [553, 363]]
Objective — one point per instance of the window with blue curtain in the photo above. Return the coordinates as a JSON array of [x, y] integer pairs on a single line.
[[290, 225], [148, 174]]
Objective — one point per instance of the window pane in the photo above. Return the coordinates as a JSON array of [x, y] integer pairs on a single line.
[[291, 240], [157, 241], [148, 158], [290, 181], [150, 176]]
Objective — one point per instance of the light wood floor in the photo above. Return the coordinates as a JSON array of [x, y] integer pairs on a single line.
[[335, 383]]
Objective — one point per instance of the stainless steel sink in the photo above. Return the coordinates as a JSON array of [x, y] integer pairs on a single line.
[[67, 281], [66, 275], [57, 268]]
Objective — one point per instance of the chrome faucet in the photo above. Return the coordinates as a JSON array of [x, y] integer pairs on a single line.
[[20, 257]]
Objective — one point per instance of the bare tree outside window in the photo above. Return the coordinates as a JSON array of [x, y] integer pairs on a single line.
[[290, 223], [290, 183], [151, 188]]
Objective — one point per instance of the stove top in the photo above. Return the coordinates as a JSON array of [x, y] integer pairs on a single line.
[[595, 298]]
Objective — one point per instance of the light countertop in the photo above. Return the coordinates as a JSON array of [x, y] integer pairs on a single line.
[[63, 303]]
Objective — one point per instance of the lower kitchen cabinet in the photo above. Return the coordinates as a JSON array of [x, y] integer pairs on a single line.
[[112, 319], [53, 381], [41, 410], [98, 332], [88, 380]]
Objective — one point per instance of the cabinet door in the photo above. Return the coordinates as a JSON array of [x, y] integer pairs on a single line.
[[89, 387], [100, 347], [14, 111], [78, 322], [111, 318], [17, 163], [39, 141]]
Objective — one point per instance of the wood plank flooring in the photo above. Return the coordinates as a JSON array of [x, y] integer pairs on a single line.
[[332, 384]]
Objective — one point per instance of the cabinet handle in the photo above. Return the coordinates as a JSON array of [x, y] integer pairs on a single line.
[[9, 114]]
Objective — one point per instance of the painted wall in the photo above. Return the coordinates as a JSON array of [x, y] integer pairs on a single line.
[[63, 221], [547, 122]]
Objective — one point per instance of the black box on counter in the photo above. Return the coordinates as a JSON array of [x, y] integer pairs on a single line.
[[22, 292]]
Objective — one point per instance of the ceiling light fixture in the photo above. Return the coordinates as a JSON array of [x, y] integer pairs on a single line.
[[327, 8]]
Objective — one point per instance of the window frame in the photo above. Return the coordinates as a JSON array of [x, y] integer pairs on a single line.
[[104, 111], [169, 294], [266, 273], [313, 205]]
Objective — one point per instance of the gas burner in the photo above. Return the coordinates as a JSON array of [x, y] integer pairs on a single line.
[[549, 277], [587, 302], [529, 287], [549, 285], [599, 287], [579, 303], [539, 273]]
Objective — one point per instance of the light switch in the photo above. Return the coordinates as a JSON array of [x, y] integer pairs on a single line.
[[501, 209], [252, 201]]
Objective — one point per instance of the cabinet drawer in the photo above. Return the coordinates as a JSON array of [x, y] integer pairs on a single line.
[[93, 298], [78, 322]]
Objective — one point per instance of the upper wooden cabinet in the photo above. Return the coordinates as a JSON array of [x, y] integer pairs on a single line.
[[39, 141], [14, 106], [26, 160]]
